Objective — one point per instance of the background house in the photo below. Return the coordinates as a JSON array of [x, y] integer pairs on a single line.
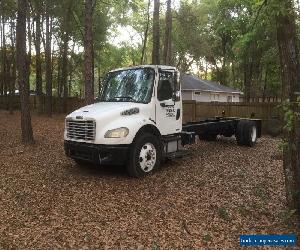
[[200, 90]]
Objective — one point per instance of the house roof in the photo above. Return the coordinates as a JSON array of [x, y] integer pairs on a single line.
[[190, 82]]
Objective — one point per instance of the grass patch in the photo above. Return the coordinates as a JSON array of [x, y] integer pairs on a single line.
[[261, 192], [223, 213], [207, 237], [288, 216], [155, 246], [244, 211]]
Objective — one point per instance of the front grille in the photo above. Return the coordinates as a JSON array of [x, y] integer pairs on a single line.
[[81, 129]]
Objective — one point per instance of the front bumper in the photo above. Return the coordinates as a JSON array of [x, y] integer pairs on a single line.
[[98, 154]]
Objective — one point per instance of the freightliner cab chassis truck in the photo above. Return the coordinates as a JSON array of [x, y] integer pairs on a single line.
[[137, 122]]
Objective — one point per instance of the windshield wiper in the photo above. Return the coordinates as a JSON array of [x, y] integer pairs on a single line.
[[122, 97]]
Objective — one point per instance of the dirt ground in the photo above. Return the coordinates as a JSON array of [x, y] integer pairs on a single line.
[[203, 201]]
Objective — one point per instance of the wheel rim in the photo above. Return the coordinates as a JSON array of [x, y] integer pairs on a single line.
[[147, 157], [253, 134]]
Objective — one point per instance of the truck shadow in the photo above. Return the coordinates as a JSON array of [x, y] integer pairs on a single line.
[[227, 140], [120, 171], [97, 170]]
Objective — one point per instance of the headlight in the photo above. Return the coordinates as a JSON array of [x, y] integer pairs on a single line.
[[117, 133]]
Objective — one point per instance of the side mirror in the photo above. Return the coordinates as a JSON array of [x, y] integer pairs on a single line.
[[176, 78], [176, 95]]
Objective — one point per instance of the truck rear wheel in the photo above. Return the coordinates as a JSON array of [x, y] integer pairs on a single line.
[[246, 133], [145, 155]]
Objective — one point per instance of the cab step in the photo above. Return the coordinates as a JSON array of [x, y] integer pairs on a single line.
[[178, 154]]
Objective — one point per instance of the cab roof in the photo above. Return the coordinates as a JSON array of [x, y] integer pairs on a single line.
[[163, 67]]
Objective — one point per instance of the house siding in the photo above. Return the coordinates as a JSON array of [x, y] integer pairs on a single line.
[[187, 95], [205, 96]]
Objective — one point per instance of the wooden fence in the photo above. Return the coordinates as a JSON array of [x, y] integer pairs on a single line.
[[193, 111], [57, 103]]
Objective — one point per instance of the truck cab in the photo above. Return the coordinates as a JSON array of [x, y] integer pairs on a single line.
[[138, 107], [137, 122]]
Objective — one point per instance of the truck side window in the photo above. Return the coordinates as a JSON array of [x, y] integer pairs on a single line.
[[165, 89]]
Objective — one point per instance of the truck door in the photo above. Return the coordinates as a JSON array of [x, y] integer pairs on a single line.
[[168, 103]]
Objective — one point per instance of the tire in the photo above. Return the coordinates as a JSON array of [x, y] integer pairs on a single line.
[[145, 155], [239, 132], [246, 133]]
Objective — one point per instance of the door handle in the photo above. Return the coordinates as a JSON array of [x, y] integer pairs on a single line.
[[178, 114]]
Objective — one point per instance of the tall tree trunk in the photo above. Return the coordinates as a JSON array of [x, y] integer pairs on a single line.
[[71, 66], [233, 73], [248, 72], [64, 69], [88, 53], [48, 106], [13, 73], [146, 34], [156, 35], [28, 57], [223, 75], [290, 74], [58, 77], [206, 71], [99, 82], [4, 63], [38, 60], [2, 72], [265, 84], [27, 134], [12, 86], [168, 35]]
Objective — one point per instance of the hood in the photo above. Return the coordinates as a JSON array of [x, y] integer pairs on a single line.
[[102, 108]]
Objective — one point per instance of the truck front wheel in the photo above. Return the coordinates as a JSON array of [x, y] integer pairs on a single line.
[[145, 155]]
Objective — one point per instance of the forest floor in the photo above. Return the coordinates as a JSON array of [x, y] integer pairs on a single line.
[[204, 201]]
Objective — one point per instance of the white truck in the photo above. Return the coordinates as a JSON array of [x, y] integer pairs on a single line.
[[137, 122]]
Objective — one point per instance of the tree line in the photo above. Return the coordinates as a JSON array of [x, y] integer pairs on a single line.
[[231, 42], [63, 48]]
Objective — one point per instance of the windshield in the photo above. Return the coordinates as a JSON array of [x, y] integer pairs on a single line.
[[132, 85]]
